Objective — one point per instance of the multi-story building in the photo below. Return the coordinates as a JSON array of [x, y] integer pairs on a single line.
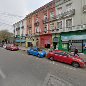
[[29, 38], [20, 32], [42, 21], [71, 22], [61, 23]]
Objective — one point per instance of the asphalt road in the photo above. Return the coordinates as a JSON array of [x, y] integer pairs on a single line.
[[19, 69]]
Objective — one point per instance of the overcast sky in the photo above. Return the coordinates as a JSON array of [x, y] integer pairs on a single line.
[[10, 8]]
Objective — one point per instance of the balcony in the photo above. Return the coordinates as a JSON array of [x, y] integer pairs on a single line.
[[69, 13], [84, 9], [58, 30], [37, 33], [59, 2], [52, 19], [46, 20], [66, 14], [36, 23], [75, 28]]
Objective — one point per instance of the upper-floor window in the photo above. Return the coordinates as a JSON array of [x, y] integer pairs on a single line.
[[69, 23], [45, 16], [51, 14], [37, 29], [51, 26], [46, 28], [68, 7], [36, 19], [59, 10], [59, 25]]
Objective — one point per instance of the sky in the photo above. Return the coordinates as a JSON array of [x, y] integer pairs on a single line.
[[11, 11]]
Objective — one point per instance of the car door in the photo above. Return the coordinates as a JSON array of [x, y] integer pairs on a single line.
[[66, 58], [57, 56]]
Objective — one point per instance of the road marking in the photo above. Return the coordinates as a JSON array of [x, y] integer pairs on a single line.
[[53, 62], [2, 74], [69, 68]]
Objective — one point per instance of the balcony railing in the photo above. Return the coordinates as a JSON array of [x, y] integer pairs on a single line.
[[46, 20], [67, 29], [75, 28], [59, 2], [84, 9], [66, 14], [36, 23]]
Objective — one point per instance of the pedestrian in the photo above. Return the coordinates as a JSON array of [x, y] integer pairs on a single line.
[[76, 52]]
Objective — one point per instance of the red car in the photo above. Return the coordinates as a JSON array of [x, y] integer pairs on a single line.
[[8, 46], [62, 56], [12, 47]]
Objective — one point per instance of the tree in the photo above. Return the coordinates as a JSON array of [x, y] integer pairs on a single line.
[[5, 36]]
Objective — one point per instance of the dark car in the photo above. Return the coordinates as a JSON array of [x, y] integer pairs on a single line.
[[62, 56]]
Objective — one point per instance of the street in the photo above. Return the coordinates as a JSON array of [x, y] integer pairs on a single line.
[[19, 69]]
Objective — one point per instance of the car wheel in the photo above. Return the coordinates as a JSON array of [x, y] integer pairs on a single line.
[[38, 55], [51, 58], [28, 53], [75, 64]]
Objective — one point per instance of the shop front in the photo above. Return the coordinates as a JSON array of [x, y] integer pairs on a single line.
[[20, 41], [46, 41], [55, 38], [72, 40]]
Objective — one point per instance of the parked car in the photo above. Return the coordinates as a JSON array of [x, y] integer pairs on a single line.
[[4, 46], [8, 46], [36, 52], [1, 45], [68, 58], [12, 47]]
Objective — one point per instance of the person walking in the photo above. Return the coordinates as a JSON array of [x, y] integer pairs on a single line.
[[76, 52]]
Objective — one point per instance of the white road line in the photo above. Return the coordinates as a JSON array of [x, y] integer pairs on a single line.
[[53, 62], [2, 74]]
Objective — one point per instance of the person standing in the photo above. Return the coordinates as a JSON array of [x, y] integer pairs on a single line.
[[76, 52]]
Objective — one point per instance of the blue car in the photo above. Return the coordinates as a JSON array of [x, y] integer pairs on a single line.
[[36, 52]]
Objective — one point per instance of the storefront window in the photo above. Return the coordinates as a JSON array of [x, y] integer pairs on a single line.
[[84, 45], [64, 46]]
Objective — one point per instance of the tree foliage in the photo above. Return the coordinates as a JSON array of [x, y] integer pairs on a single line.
[[5, 35]]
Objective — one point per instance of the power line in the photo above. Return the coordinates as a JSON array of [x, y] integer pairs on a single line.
[[9, 14], [5, 24]]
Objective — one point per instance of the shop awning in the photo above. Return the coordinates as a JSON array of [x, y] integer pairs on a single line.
[[20, 41]]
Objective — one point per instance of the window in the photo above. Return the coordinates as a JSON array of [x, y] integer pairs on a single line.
[[36, 19], [59, 10], [68, 7], [51, 26], [46, 28], [59, 25], [69, 23], [37, 29], [51, 14], [30, 31], [45, 16]]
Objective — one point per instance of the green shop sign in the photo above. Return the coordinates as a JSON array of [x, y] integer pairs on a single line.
[[73, 37]]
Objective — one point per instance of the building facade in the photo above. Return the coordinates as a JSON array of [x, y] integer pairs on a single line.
[[61, 23], [71, 19], [20, 32]]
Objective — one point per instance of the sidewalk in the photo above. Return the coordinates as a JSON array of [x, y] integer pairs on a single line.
[[22, 48], [47, 50]]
